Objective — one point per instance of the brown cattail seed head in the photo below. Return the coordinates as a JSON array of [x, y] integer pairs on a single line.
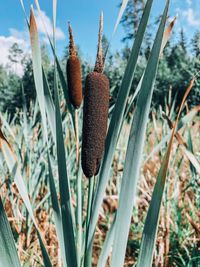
[[95, 115], [74, 74]]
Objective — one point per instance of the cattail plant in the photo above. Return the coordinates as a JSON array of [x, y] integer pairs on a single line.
[[73, 70], [95, 113]]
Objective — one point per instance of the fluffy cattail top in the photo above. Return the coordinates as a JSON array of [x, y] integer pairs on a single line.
[[74, 74], [95, 114]]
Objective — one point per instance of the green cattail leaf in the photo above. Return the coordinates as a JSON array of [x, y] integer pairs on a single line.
[[191, 149], [64, 183], [45, 255], [37, 69], [8, 154], [150, 229], [183, 122], [8, 251], [121, 12], [134, 150], [49, 105], [24, 11], [192, 160], [56, 212], [11, 162], [151, 224], [117, 119], [50, 109], [59, 69], [7, 126], [54, 19], [166, 37], [106, 249], [79, 219]]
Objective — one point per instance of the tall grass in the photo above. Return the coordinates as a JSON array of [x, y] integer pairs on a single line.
[[51, 201]]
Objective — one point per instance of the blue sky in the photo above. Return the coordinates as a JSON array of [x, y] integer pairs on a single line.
[[84, 17]]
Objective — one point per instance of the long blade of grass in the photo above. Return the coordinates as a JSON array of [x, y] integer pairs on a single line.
[[192, 159], [57, 213], [151, 224], [37, 69], [45, 255], [117, 118], [79, 220], [121, 12], [24, 11], [50, 108], [8, 251], [107, 245], [166, 37], [134, 150], [191, 149], [60, 72], [61, 162], [183, 122], [183, 146], [11, 162], [167, 34], [45, 99], [64, 184], [59, 69], [7, 126]]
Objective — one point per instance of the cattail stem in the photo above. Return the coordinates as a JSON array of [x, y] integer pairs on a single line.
[[77, 137], [88, 253], [79, 232]]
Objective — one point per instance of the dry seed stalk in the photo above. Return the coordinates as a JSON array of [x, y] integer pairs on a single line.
[[95, 114], [99, 65], [72, 49], [73, 70]]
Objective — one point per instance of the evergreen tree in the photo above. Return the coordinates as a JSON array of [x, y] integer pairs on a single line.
[[131, 18], [28, 81], [183, 42], [196, 44], [15, 55]]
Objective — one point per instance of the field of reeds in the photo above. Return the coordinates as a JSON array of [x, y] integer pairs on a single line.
[[88, 182]]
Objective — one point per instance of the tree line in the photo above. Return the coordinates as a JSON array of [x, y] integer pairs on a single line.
[[178, 64]]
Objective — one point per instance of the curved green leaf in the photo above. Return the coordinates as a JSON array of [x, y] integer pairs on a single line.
[[135, 149], [151, 224], [117, 119], [8, 251]]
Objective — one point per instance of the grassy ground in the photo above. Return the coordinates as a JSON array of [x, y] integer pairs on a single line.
[[178, 241]]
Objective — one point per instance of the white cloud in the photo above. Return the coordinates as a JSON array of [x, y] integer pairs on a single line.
[[191, 17], [22, 35], [22, 39], [41, 21], [41, 29], [189, 2], [5, 44]]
